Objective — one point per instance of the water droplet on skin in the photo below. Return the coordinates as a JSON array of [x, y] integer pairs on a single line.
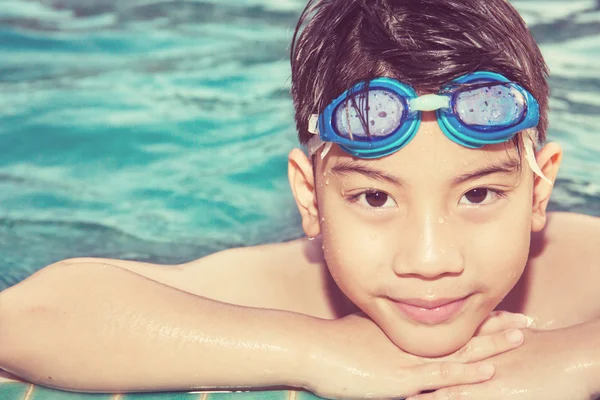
[[323, 219], [327, 181], [441, 220]]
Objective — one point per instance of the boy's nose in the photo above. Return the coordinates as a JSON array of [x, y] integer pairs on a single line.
[[429, 251]]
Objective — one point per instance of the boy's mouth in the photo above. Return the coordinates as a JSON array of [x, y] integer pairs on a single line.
[[431, 312]]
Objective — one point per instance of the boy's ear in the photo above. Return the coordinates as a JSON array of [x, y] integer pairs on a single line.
[[302, 182], [549, 159]]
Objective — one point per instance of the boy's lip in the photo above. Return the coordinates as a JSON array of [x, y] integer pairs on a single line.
[[431, 312], [428, 303]]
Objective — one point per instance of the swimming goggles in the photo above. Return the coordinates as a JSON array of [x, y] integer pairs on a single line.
[[377, 118]]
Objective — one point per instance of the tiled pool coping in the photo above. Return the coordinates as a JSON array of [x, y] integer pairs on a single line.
[[16, 390]]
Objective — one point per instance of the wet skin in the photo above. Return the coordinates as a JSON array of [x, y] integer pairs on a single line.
[[430, 225]]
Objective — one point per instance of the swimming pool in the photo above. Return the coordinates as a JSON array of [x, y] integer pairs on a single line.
[[158, 130]]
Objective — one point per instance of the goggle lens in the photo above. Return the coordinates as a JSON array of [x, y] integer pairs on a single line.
[[497, 106], [374, 115]]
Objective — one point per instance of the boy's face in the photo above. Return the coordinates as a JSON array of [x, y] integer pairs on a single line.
[[432, 225]]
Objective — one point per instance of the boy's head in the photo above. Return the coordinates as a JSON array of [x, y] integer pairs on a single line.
[[434, 223], [424, 43]]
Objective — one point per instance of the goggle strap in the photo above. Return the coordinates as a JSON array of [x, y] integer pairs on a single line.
[[313, 124], [315, 143], [530, 155], [326, 149]]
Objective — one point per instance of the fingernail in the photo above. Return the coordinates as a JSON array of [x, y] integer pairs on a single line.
[[487, 370], [515, 336]]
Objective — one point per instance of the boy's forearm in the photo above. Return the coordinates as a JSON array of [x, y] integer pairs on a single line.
[[101, 328], [590, 356]]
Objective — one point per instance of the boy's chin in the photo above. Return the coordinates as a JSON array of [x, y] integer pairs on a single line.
[[434, 341]]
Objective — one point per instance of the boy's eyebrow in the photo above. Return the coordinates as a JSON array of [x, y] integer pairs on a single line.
[[505, 166], [346, 167]]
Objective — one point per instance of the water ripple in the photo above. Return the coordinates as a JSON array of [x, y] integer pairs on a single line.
[[158, 130]]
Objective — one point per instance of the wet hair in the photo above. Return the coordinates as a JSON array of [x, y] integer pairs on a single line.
[[424, 43]]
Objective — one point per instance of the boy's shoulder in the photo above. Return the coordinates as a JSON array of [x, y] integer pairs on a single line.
[[560, 284], [291, 276], [572, 220], [569, 238]]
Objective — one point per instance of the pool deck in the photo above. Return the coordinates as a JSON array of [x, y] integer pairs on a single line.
[[11, 388]]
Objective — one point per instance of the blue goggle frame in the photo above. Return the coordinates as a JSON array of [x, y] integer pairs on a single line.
[[471, 136]]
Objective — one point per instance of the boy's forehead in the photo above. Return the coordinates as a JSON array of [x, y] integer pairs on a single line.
[[448, 160]]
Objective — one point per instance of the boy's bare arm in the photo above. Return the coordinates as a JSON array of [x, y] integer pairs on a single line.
[[277, 276], [141, 335], [97, 327]]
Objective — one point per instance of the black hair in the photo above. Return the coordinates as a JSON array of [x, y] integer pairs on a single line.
[[424, 43]]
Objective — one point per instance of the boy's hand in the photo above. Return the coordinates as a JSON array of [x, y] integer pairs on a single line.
[[492, 338], [550, 365], [368, 364]]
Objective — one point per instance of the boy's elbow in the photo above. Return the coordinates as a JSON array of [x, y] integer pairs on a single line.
[[55, 274], [26, 301], [50, 286], [20, 312], [32, 310]]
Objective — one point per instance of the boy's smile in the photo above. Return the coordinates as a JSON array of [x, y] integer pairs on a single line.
[[429, 311], [426, 241]]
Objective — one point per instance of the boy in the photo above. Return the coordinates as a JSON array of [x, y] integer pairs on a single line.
[[420, 195]]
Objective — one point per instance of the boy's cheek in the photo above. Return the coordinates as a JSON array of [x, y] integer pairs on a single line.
[[353, 253], [502, 254]]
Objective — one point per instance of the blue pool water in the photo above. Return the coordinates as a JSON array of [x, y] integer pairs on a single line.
[[158, 130]]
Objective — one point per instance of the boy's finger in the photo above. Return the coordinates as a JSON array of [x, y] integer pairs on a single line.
[[501, 321], [482, 347], [453, 393], [440, 375]]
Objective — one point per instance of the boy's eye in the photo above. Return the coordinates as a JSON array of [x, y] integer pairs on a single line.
[[375, 199], [480, 196]]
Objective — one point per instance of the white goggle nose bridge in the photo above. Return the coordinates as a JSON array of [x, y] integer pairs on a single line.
[[429, 102]]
